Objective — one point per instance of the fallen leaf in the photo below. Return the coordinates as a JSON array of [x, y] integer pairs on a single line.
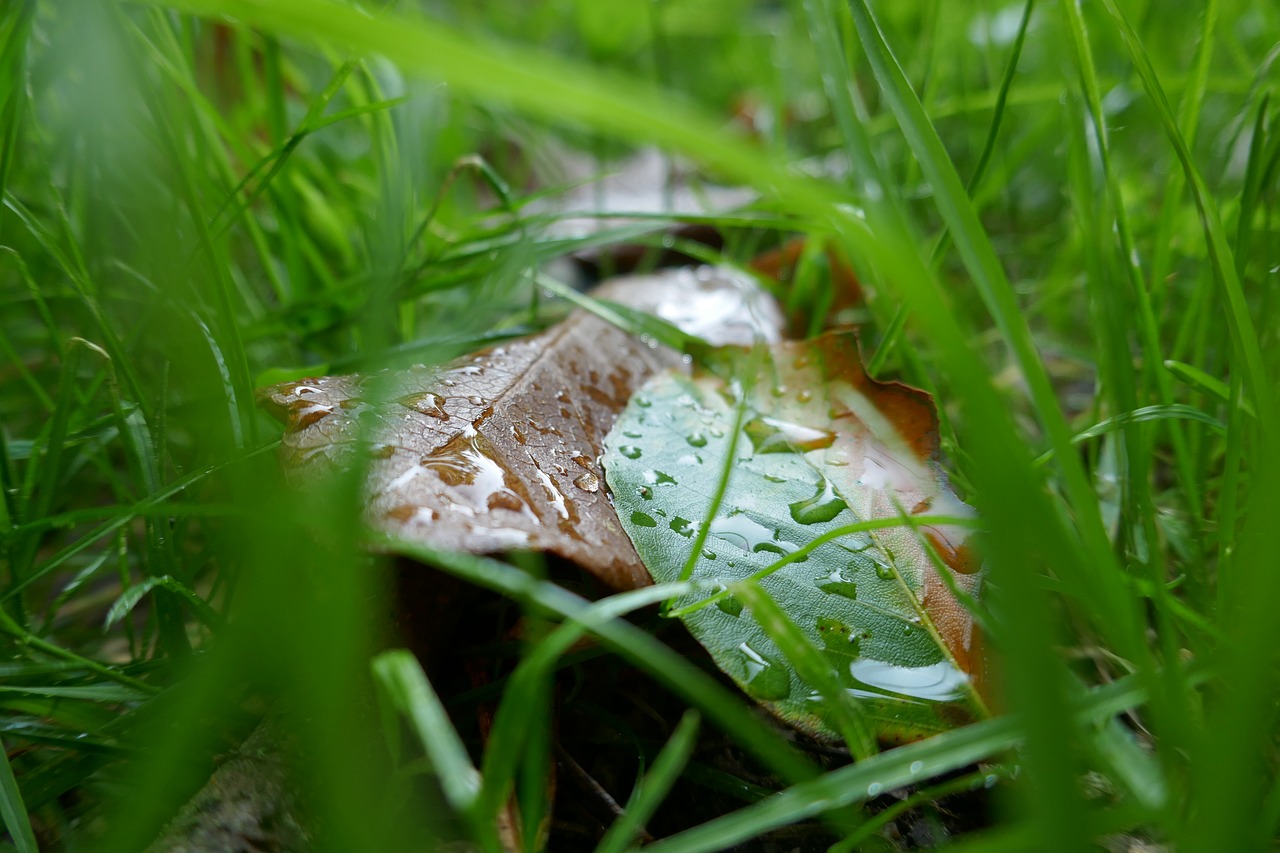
[[499, 450], [819, 446]]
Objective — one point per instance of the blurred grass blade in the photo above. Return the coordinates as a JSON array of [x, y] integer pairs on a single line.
[[1239, 320], [400, 675], [12, 809]]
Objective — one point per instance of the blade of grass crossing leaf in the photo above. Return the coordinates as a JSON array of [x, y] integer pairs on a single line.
[[529, 682], [654, 787], [12, 809], [895, 768], [810, 666], [637, 646], [1037, 681], [980, 259]]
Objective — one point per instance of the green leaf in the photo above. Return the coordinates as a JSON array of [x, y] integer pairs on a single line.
[[834, 508]]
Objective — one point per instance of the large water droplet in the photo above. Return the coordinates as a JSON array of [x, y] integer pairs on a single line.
[[682, 526], [588, 482], [729, 604], [939, 682], [750, 535], [428, 404], [630, 451], [769, 435], [837, 584], [664, 479], [697, 440], [762, 677], [640, 519], [822, 507]]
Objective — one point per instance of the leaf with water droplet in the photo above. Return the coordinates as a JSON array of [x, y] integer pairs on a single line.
[[846, 451], [470, 455]]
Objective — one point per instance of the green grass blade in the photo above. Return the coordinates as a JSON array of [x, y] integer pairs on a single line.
[[400, 675], [655, 785], [13, 811]]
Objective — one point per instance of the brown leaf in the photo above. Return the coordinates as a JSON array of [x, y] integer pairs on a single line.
[[499, 450]]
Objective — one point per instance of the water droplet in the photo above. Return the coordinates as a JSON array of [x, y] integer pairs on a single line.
[[729, 604], [697, 440], [769, 435], [821, 508], [664, 479], [805, 395], [682, 526], [630, 451], [475, 400], [837, 584], [836, 635], [640, 519], [428, 404], [471, 370], [762, 677], [642, 402], [750, 535], [708, 553], [645, 492], [630, 433], [588, 482], [989, 780], [916, 767], [874, 789], [884, 571], [772, 479], [938, 682]]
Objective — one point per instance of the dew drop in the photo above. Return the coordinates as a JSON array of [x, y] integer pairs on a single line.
[[874, 789], [708, 553], [645, 492], [682, 526], [640, 519], [916, 767], [643, 402], [762, 677], [837, 584], [475, 400], [428, 404], [769, 435], [884, 571], [821, 508], [697, 440], [587, 482], [630, 451], [664, 479], [630, 433], [729, 604]]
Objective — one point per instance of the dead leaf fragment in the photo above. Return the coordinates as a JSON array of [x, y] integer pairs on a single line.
[[499, 450]]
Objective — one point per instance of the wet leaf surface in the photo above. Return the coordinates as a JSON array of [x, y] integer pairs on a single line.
[[499, 450], [819, 446]]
